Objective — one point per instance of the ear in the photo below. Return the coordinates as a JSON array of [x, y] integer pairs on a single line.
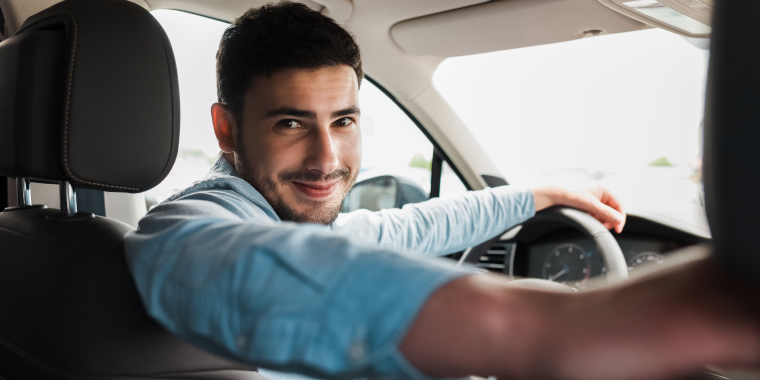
[[223, 127]]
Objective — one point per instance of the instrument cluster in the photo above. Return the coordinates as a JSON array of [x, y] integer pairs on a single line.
[[571, 258]]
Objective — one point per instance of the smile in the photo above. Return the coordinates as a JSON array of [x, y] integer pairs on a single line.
[[315, 189]]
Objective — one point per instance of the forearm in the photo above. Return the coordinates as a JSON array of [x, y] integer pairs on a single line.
[[548, 196], [658, 327], [479, 325]]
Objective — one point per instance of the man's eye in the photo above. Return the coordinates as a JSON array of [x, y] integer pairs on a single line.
[[344, 122], [289, 124]]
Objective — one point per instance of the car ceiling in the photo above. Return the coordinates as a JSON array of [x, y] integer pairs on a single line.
[[397, 35]]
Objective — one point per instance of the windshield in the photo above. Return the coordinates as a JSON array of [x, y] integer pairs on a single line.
[[622, 110]]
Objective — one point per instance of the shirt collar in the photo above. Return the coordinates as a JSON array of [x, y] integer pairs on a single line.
[[223, 176], [223, 167]]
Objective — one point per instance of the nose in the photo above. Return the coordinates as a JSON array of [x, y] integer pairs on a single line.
[[323, 152]]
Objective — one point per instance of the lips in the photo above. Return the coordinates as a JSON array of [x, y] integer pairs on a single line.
[[316, 190]]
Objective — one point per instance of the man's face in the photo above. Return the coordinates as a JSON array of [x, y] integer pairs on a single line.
[[299, 143]]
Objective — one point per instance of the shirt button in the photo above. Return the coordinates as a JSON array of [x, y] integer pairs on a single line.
[[241, 341], [357, 351]]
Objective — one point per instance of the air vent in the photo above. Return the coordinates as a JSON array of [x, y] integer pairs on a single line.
[[497, 259]]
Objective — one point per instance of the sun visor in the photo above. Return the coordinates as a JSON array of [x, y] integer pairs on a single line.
[[690, 18], [501, 25]]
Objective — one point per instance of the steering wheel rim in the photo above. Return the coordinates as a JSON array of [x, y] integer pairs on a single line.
[[617, 268]]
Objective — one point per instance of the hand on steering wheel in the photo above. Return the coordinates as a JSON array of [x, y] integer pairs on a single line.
[[594, 212], [617, 268], [598, 202]]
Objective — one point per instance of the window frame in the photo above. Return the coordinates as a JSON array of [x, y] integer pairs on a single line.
[[439, 155]]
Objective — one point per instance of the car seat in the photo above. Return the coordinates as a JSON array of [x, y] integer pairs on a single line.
[[732, 137], [89, 100]]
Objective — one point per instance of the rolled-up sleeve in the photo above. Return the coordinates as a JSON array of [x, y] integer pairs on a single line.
[[442, 226], [285, 296]]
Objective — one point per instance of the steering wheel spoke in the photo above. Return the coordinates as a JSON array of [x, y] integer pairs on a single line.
[[612, 255]]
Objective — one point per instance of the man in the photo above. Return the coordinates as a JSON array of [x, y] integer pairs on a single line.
[[254, 263]]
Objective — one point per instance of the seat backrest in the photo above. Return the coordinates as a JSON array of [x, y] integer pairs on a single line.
[[732, 136], [88, 98]]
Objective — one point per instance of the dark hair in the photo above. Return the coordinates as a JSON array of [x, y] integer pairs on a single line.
[[275, 37]]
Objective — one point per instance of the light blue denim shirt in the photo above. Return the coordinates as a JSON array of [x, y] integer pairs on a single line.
[[215, 265]]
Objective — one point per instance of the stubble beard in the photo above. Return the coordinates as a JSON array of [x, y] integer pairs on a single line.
[[316, 211]]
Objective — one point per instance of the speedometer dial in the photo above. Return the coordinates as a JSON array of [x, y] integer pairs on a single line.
[[567, 264], [645, 259]]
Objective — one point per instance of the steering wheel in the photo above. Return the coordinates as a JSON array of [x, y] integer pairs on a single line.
[[617, 268]]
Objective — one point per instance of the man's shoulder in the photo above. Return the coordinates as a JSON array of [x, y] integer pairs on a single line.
[[220, 189], [214, 183]]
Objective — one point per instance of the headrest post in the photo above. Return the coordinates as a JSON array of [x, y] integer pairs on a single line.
[[68, 198], [23, 192]]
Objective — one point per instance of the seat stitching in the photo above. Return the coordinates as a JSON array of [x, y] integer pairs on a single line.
[[34, 361], [66, 120]]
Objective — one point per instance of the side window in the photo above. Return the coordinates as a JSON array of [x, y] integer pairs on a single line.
[[398, 161], [396, 156], [195, 40], [451, 185]]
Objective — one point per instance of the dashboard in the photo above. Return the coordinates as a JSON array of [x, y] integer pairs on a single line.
[[556, 252]]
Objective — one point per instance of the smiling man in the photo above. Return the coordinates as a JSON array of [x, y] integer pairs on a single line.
[[255, 263], [298, 143]]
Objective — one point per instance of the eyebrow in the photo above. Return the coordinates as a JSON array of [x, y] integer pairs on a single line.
[[347, 111], [294, 112]]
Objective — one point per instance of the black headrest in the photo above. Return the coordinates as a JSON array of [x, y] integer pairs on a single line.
[[732, 137], [89, 94]]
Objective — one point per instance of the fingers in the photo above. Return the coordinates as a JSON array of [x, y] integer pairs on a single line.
[[606, 198], [602, 205], [611, 200], [608, 216], [598, 202], [611, 218]]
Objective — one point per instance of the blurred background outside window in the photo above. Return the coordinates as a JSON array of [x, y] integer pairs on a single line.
[[622, 110]]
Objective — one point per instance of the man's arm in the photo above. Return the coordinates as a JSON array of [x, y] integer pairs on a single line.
[[658, 327], [300, 298], [213, 269], [442, 226]]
